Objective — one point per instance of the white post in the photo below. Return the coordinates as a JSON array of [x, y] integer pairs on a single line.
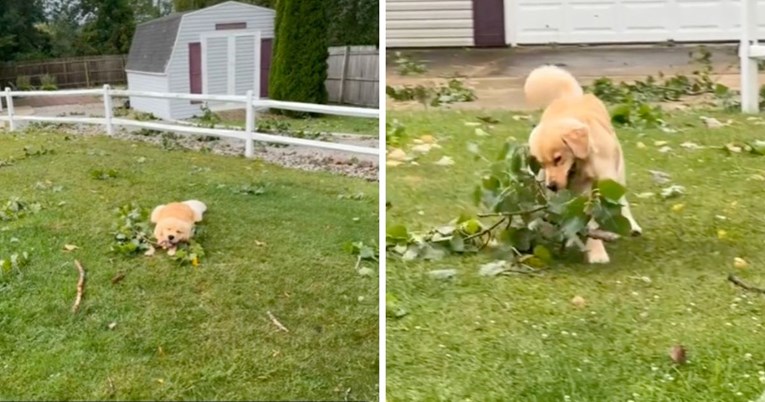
[[249, 127], [108, 113], [9, 103], [749, 80]]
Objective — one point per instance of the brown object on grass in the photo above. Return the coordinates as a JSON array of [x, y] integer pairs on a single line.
[[678, 354], [80, 286], [738, 282], [118, 278], [276, 322]]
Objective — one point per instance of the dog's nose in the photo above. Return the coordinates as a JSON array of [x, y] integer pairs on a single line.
[[171, 237], [552, 186]]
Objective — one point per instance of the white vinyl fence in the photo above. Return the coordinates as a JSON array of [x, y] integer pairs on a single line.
[[249, 135]]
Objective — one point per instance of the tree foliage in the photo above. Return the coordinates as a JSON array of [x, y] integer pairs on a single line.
[[299, 66], [20, 36], [109, 27]]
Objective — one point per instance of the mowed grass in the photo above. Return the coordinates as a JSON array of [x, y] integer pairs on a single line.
[[519, 338], [194, 333]]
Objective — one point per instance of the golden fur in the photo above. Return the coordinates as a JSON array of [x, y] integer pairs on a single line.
[[574, 141], [174, 222]]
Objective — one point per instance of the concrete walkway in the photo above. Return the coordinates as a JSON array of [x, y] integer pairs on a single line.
[[497, 74]]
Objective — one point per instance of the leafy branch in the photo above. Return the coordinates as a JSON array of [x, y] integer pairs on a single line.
[[528, 223]]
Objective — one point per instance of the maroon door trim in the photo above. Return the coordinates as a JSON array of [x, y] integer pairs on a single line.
[[195, 68], [266, 48], [489, 23]]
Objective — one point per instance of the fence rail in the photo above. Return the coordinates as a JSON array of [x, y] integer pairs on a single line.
[[249, 135]]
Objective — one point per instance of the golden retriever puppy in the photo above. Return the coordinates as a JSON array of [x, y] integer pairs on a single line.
[[174, 222], [574, 142]]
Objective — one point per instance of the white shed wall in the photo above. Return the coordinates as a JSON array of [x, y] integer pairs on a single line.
[[192, 26], [149, 82], [415, 23]]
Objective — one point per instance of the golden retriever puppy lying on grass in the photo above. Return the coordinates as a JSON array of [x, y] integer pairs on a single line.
[[574, 142], [175, 222]]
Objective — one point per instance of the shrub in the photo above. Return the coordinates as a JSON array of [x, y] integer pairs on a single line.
[[48, 82], [24, 83]]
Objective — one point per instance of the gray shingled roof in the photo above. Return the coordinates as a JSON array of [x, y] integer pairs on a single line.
[[153, 44]]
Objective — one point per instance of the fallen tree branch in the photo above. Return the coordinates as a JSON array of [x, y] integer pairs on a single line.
[[276, 322], [488, 230], [598, 234], [738, 282], [80, 286], [514, 213]]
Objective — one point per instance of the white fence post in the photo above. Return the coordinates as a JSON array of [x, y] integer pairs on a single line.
[[9, 103], [249, 127], [108, 113]]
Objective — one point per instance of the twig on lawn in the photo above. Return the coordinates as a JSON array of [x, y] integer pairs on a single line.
[[483, 232], [118, 278], [276, 322], [738, 282], [80, 286]]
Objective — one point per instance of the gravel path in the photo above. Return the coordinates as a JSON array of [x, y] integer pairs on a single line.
[[297, 157]]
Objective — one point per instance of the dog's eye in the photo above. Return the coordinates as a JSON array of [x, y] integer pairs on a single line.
[[557, 160], [177, 232]]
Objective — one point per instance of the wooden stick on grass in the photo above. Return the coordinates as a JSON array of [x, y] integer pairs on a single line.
[[276, 322], [80, 286], [738, 282]]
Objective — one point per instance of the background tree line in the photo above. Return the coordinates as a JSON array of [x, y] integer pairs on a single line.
[[41, 29]]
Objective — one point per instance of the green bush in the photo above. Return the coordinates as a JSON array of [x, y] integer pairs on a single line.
[[48, 82], [24, 83], [299, 67]]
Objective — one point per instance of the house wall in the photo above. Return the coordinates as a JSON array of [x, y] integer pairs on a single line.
[[429, 23], [196, 23], [149, 82]]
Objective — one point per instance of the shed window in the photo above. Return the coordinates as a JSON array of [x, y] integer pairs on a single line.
[[230, 25]]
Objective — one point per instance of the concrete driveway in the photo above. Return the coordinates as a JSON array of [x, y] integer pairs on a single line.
[[497, 74]]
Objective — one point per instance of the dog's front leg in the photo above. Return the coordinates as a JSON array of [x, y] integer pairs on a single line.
[[635, 229], [595, 248], [171, 250]]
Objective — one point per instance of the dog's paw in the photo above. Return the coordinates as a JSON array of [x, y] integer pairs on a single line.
[[596, 252], [171, 251]]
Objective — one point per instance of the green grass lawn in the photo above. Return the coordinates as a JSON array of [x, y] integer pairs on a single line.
[[184, 332], [519, 338]]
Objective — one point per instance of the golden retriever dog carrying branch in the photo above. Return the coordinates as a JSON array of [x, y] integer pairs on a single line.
[[175, 222], [575, 142]]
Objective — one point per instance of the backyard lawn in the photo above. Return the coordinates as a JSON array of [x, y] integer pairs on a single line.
[[520, 338], [275, 241]]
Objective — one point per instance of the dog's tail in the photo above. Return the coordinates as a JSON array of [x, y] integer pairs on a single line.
[[198, 207], [548, 83]]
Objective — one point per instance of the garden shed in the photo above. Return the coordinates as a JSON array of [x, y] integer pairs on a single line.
[[224, 49]]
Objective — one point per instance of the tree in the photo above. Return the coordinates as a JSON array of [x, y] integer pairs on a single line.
[[64, 27], [354, 22], [299, 66], [20, 36], [110, 26]]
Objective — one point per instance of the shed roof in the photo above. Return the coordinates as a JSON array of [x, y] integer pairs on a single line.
[[153, 43]]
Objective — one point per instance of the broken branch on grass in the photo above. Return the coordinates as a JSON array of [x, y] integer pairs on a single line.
[[80, 286], [487, 230], [276, 322], [514, 213], [738, 282]]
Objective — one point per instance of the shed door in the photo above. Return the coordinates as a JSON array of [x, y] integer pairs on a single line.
[[231, 63], [489, 22], [217, 66], [266, 49], [195, 68]]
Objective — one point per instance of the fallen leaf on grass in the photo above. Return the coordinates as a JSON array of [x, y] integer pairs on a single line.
[[445, 161], [660, 143], [665, 149], [70, 247], [364, 271], [481, 133], [259, 243], [397, 154], [711, 122], [393, 163], [112, 325], [740, 263], [659, 177], [731, 147], [722, 234], [578, 302], [678, 354], [428, 139], [691, 145], [472, 124], [443, 273], [493, 268], [422, 148], [672, 191], [640, 145], [518, 117], [645, 195], [678, 207]]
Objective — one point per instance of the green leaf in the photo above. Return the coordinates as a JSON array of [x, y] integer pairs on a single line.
[[611, 190], [609, 218], [398, 233], [471, 226], [543, 253]]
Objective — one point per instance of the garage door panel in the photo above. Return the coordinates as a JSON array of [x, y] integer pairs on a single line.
[[613, 21]]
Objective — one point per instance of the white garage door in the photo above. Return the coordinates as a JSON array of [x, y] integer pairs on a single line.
[[614, 21]]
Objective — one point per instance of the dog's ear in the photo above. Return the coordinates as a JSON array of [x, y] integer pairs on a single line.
[[578, 140], [155, 213]]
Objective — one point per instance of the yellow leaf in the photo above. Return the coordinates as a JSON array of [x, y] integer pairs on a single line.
[[195, 261], [428, 139], [721, 234], [70, 247], [678, 207], [640, 145], [578, 301], [740, 263]]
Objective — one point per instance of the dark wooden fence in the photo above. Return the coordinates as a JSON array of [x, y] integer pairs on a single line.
[[75, 72]]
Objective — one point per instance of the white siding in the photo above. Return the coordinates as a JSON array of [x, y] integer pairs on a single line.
[[149, 82], [192, 26], [415, 23]]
